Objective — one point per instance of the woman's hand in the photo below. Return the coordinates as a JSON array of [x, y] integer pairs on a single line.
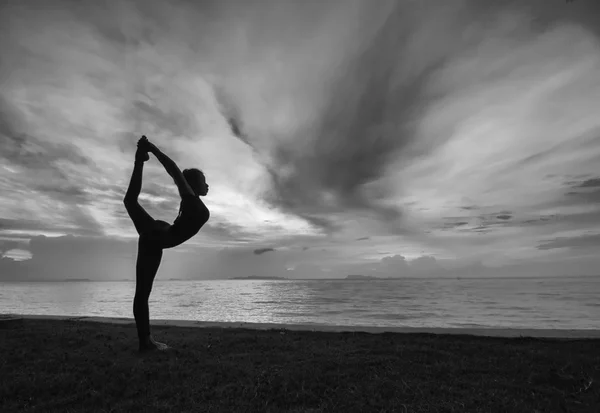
[[142, 143], [141, 155], [146, 145]]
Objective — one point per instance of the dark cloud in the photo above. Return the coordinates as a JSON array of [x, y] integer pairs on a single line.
[[365, 122], [487, 222], [453, 225], [583, 241], [235, 129], [260, 251], [582, 191], [539, 221], [580, 194], [589, 183], [484, 222], [231, 113], [580, 181]]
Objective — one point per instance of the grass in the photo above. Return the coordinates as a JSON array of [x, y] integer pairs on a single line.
[[78, 366]]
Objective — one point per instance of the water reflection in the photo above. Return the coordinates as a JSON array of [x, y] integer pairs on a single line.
[[415, 303]]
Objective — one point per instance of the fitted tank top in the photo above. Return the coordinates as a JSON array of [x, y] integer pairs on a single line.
[[193, 214]]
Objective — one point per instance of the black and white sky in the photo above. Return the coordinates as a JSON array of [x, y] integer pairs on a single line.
[[388, 137]]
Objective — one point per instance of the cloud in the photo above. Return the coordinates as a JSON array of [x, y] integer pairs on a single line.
[[397, 266], [28, 228], [589, 183], [578, 242], [321, 169], [463, 130], [588, 196], [424, 264], [7, 245], [260, 251], [452, 225], [48, 168], [583, 191]]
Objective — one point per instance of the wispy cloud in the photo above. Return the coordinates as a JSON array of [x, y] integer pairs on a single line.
[[581, 241]]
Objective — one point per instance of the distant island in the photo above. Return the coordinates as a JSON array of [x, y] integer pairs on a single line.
[[360, 277], [257, 277], [76, 279]]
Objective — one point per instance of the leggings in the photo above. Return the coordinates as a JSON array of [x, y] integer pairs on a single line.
[[153, 235]]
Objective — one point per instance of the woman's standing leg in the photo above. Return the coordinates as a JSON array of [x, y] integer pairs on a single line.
[[148, 261]]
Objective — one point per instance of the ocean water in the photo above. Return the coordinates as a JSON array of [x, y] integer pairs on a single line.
[[567, 303]]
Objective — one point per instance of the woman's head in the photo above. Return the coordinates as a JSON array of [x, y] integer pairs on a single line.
[[197, 180]]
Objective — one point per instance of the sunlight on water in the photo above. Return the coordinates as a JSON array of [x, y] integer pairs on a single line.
[[524, 303]]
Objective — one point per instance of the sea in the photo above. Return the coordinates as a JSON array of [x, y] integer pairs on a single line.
[[546, 303]]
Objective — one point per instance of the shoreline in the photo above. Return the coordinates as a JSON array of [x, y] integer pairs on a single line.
[[483, 331]]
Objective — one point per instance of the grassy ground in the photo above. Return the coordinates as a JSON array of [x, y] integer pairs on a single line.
[[78, 366]]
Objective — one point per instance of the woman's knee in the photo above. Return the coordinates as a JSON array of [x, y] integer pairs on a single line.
[[142, 294]]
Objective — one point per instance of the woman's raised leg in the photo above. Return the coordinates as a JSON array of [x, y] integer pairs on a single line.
[[142, 221]]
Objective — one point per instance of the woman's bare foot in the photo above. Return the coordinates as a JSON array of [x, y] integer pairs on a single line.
[[159, 346], [150, 345]]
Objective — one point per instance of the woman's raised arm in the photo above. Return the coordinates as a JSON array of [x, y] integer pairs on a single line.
[[170, 166]]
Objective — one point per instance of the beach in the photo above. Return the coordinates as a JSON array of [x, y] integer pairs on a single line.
[[59, 364]]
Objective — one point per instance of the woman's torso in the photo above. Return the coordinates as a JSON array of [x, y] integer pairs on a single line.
[[193, 214]]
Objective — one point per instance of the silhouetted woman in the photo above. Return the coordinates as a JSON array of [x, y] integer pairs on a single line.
[[156, 235]]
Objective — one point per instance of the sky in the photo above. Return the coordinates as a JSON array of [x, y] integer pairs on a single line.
[[390, 138]]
